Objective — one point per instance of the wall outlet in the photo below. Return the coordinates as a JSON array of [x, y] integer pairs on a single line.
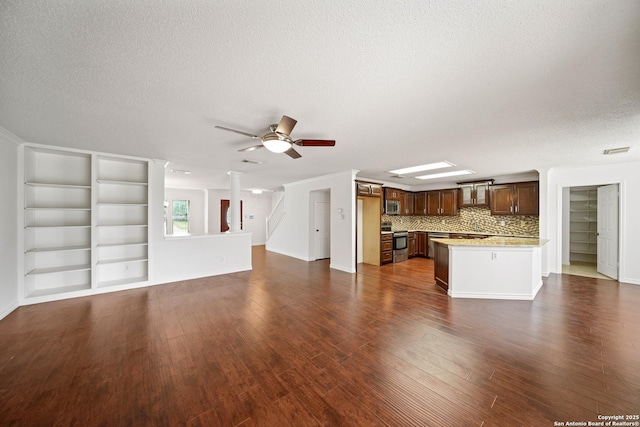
[[444, 221], [494, 255], [523, 223], [502, 223]]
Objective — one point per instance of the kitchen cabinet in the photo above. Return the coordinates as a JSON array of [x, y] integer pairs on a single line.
[[409, 203], [392, 193], [473, 194], [397, 197], [422, 244], [515, 199], [386, 248], [401, 199], [442, 202], [411, 245], [368, 189], [441, 265], [420, 203]]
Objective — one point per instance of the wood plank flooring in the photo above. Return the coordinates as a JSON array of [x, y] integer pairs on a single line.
[[295, 343]]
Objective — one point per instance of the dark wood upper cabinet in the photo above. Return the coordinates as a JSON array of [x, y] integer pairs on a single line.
[[473, 194], [392, 193], [442, 202], [527, 199], [515, 199], [409, 203], [368, 189], [420, 204]]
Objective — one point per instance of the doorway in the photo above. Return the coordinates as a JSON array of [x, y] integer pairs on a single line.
[[319, 237], [322, 230], [225, 217], [590, 240]]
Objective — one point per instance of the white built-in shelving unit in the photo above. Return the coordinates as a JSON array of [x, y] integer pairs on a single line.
[[583, 224], [57, 222], [123, 220], [86, 221]]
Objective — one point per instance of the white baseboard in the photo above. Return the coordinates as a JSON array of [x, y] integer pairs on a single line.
[[9, 310]]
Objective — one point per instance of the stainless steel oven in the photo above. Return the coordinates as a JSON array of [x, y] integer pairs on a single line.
[[400, 246]]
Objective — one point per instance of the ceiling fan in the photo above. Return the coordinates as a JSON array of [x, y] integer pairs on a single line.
[[279, 141]]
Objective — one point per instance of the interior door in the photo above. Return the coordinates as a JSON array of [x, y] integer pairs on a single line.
[[322, 230], [608, 230], [225, 217]]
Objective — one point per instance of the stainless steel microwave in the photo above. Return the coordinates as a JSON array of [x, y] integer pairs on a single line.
[[392, 207]]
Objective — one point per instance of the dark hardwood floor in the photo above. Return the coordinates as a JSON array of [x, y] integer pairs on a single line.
[[295, 343]]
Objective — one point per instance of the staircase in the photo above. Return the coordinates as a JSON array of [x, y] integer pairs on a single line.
[[275, 217]]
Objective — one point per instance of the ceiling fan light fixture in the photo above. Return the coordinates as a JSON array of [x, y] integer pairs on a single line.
[[275, 144]]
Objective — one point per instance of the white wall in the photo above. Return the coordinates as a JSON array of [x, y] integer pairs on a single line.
[[627, 175], [566, 224], [255, 208], [197, 208], [182, 258], [8, 222], [292, 236]]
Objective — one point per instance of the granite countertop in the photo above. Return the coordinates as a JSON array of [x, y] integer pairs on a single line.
[[480, 233], [495, 241]]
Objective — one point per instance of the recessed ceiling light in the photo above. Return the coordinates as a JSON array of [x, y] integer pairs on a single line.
[[445, 174], [616, 150], [428, 167], [184, 172]]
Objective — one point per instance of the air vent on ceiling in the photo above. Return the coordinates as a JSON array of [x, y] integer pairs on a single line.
[[396, 176], [181, 171], [616, 150], [253, 162]]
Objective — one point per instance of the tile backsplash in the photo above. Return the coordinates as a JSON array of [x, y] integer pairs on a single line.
[[467, 221]]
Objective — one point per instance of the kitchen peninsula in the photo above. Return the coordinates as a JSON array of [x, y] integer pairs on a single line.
[[494, 268]]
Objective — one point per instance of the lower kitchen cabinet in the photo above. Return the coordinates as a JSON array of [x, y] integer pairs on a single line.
[[386, 248], [411, 245], [422, 244], [441, 265]]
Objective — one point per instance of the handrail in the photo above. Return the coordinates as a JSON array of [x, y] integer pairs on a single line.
[[275, 217]]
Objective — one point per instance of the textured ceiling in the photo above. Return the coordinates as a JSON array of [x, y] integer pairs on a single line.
[[498, 87]]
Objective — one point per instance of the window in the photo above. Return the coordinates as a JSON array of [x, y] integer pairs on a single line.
[[180, 217]]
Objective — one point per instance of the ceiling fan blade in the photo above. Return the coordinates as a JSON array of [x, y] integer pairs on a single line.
[[239, 131], [292, 153], [315, 142], [286, 125], [255, 147]]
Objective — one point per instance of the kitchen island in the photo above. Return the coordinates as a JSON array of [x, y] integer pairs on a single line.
[[495, 267]]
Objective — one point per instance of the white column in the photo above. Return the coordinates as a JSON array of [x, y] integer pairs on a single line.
[[234, 201]]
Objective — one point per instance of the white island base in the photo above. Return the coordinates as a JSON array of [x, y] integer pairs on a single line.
[[488, 271]]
